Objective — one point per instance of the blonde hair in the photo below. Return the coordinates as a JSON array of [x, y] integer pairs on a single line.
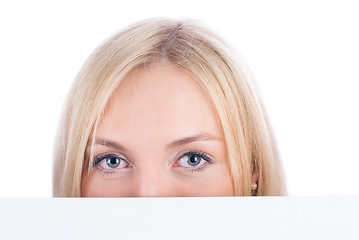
[[197, 51]]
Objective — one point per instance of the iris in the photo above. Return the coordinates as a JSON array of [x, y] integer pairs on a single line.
[[113, 162]]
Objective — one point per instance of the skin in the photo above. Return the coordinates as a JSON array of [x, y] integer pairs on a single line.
[[153, 119]]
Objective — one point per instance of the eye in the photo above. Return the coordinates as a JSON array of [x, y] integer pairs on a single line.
[[193, 160], [110, 162]]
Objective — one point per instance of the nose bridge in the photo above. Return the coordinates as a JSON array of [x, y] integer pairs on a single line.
[[152, 182]]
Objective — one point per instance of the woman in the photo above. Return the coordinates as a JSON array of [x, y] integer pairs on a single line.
[[163, 109]]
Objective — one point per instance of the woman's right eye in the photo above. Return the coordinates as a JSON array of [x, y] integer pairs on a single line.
[[110, 162]]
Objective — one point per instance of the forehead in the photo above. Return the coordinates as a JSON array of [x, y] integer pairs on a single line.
[[159, 99]]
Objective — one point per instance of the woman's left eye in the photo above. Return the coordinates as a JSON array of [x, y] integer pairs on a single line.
[[193, 160]]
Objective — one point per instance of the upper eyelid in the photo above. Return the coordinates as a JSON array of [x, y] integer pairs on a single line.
[[100, 157], [204, 155]]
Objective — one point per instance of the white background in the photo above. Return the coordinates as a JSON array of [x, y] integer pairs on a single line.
[[304, 54], [269, 218]]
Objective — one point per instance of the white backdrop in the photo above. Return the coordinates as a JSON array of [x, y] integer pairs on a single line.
[[304, 55], [229, 218]]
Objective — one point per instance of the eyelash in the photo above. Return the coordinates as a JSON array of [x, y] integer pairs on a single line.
[[109, 172]]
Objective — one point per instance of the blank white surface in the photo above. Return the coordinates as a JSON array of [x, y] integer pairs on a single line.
[[304, 55], [181, 218]]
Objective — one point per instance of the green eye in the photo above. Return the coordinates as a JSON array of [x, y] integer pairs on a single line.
[[113, 162], [193, 160]]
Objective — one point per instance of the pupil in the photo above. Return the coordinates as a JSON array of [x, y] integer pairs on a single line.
[[193, 159], [113, 161]]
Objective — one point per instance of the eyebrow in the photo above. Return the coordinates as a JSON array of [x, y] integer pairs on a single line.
[[194, 138], [176, 143], [107, 143]]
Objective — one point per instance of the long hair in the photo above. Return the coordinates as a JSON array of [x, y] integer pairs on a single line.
[[192, 48]]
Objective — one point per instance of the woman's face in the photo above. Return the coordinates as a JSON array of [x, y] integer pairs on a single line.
[[159, 137]]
